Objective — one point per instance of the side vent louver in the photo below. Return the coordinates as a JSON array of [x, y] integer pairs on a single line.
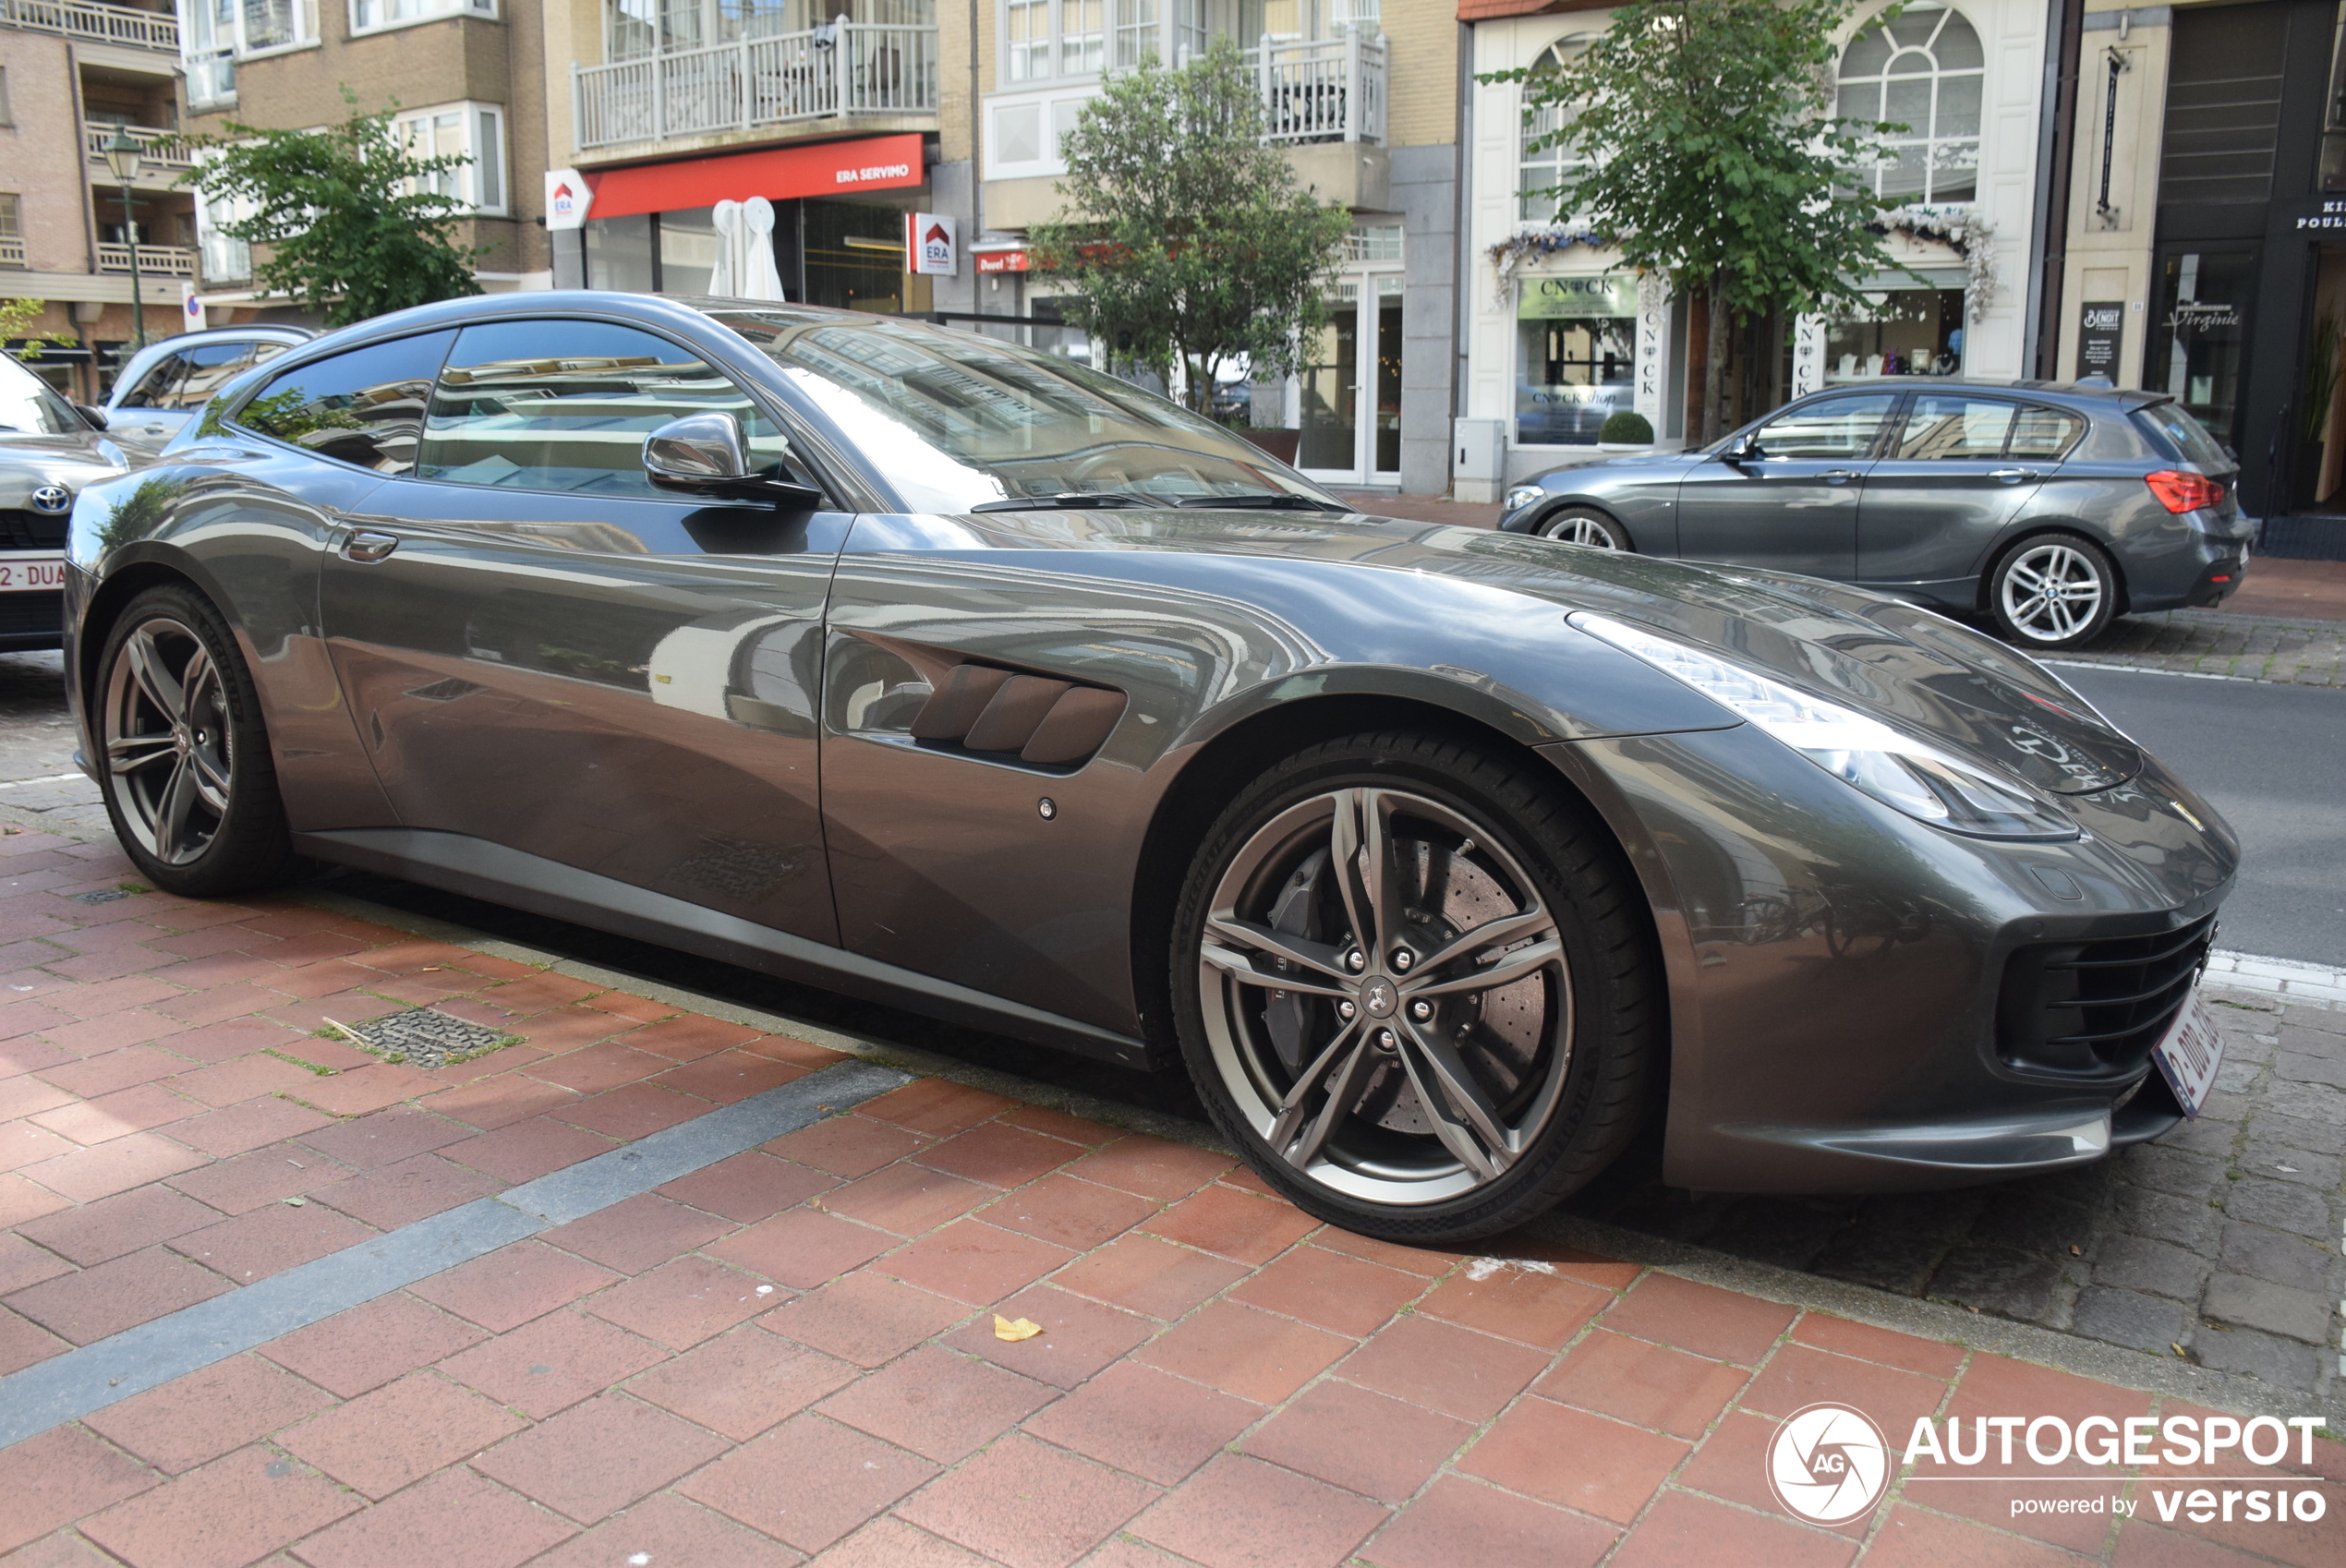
[[1047, 722]]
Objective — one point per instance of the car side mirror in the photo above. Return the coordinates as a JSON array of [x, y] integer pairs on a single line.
[[704, 454], [94, 418], [1746, 449]]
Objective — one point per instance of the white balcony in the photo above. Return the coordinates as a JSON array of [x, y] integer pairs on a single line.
[[846, 71], [1322, 90], [95, 24], [154, 261], [11, 252]]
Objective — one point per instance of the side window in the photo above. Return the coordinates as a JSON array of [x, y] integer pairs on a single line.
[[1841, 427], [364, 407], [210, 366], [565, 405], [1948, 424], [155, 388], [2045, 434]]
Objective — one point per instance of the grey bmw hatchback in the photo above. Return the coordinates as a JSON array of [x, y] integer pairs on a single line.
[[2047, 509], [921, 667]]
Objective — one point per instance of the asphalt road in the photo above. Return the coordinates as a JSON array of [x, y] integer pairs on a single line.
[[2272, 758]]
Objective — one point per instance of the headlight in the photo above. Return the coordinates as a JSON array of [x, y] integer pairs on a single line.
[[1523, 496], [1895, 769]]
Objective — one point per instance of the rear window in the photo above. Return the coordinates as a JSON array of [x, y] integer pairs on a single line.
[[2174, 431]]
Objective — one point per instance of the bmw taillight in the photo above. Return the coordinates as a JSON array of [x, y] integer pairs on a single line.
[[2184, 492]]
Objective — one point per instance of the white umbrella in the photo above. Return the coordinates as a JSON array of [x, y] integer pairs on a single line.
[[724, 278], [758, 277]]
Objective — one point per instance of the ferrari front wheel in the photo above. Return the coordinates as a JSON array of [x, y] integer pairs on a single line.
[[1415, 988], [187, 773]]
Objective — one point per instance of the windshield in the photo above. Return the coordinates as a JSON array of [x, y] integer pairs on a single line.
[[29, 407], [2171, 426], [955, 421]]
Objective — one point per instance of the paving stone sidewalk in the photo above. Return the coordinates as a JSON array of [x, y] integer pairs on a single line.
[[2219, 1242], [791, 1354], [2215, 641]]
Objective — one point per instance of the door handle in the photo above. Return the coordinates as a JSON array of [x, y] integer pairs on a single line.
[[2012, 476], [368, 547], [1838, 476]]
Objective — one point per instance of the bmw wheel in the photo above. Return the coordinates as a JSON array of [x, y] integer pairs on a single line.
[[1414, 987], [187, 776], [2055, 591], [1584, 525]]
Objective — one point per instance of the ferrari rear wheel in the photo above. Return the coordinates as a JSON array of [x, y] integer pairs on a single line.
[[187, 776], [1585, 525], [1414, 987]]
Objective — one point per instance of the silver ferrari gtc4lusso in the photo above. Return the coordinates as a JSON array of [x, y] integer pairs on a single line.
[[916, 665]]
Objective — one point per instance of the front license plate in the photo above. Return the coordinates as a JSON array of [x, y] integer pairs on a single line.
[[32, 574], [2189, 1056]]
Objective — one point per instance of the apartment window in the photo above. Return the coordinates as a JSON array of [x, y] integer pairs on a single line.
[[1921, 68], [474, 131], [222, 257], [213, 35], [5, 117], [375, 16], [11, 220], [1043, 39], [1138, 32]]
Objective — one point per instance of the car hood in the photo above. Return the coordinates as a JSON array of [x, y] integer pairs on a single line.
[[1912, 670], [28, 462]]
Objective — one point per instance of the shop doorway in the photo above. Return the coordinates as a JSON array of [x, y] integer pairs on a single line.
[[1348, 394], [2199, 337]]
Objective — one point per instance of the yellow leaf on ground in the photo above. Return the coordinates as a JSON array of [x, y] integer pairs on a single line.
[[1023, 1329]]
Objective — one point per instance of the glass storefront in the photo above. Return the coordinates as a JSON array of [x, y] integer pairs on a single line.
[[1576, 347], [848, 255], [2198, 338], [1909, 331]]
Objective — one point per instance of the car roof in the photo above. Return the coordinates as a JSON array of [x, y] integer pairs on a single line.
[[2127, 398]]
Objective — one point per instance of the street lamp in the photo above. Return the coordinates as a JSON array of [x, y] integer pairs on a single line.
[[122, 158]]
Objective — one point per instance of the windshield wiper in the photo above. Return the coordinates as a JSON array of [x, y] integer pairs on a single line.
[[1081, 500], [1284, 502]]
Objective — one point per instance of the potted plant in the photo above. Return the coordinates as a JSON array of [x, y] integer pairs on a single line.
[[1625, 430]]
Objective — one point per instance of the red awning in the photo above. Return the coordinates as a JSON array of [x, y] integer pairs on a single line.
[[826, 168]]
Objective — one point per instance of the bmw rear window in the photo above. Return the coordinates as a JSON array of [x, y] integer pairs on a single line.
[[2174, 431]]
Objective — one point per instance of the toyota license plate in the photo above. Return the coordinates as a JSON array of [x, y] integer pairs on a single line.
[[2190, 1055], [32, 574]]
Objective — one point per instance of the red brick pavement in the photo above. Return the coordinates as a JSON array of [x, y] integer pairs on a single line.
[[791, 1353]]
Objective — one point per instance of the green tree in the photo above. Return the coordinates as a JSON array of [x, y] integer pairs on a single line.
[[1185, 239], [16, 317], [352, 226], [1700, 137]]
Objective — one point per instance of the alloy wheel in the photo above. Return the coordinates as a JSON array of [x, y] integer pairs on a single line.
[[2051, 592], [1386, 996], [1583, 529], [166, 734]]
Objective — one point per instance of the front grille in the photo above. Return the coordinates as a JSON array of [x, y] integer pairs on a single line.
[[21, 529], [41, 611], [2095, 1009]]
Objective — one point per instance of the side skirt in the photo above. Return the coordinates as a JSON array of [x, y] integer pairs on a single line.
[[458, 862]]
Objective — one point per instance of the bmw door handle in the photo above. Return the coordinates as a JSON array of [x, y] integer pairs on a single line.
[[1838, 476], [2012, 476], [367, 547]]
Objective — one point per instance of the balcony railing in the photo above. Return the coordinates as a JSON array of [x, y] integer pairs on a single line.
[[849, 68], [1322, 90], [11, 252], [98, 24], [167, 161], [157, 261]]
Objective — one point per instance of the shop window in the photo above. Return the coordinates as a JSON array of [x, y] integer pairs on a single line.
[[1576, 347], [472, 131], [2199, 336], [1546, 169], [620, 254], [1922, 68], [1903, 331]]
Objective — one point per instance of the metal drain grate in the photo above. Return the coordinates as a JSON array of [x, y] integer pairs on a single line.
[[102, 896], [424, 1037]]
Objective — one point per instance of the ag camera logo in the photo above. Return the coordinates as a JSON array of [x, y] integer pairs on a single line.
[[53, 498], [1828, 1463]]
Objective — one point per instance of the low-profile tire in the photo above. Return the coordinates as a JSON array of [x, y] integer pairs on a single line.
[[1511, 947], [184, 752], [2053, 591], [1584, 525]]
